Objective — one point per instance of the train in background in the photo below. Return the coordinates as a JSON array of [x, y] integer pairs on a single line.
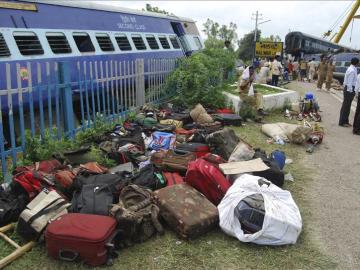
[[40, 31], [299, 44]]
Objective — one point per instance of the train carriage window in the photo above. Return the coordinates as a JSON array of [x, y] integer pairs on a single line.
[[347, 64], [105, 42], [174, 43], [138, 42], [152, 42], [197, 42], [4, 50], [123, 42], [83, 42], [58, 43], [28, 43], [164, 42], [338, 64]]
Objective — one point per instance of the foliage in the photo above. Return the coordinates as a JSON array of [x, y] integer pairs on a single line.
[[247, 109], [156, 9], [217, 34], [199, 78], [98, 156], [246, 46]]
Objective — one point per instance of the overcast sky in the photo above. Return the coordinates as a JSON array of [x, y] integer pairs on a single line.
[[312, 17]]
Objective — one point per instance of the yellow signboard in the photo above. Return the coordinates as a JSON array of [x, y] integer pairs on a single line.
[[268, 49], [21, 6]]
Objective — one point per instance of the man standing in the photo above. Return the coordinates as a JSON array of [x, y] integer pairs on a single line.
[[275, 71], [329, 75], [312, 69], [356, 124], [296, 70], [349, 92], [321, 72], [303, 68]]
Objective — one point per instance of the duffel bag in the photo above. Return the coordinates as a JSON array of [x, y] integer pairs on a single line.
[[172, 122], [208, 179], [35, 217], [148, 178], [223, 142], [228, 119], [162, 140], [171, 161], [11, 206]]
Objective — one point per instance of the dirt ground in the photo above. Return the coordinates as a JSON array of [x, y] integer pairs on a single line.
[[335, 191]]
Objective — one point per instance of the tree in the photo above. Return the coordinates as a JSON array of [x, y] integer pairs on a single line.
[[156, 9], [217, 34], [247, 45]]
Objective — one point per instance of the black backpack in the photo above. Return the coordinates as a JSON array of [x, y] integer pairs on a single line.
[[274, 174], [11, 206], [148, 178]]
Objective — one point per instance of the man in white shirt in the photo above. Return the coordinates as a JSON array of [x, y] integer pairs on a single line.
[[312, 69], [349, 92], [275, 71], [356, 124]]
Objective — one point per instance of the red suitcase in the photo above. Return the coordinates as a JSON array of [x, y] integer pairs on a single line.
[[199, 149], [84, 237], [173, 178], [208, 179]]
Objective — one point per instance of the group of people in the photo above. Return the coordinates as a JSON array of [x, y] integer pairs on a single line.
[[351, 89]]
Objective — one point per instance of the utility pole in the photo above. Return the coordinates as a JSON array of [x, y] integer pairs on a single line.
[[257, 18]]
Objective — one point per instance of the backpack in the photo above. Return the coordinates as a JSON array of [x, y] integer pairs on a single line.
[[30, 181], [223, 141], [11, 206], [208, 179], [147, 178], [137, 215]]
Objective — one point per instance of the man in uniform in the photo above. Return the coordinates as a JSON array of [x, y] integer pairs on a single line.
[[322, 70], [329, 75]]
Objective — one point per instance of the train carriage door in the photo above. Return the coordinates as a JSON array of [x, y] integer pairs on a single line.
[[180, 32]]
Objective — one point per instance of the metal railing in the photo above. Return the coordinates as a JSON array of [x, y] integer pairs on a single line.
[[64, 98]]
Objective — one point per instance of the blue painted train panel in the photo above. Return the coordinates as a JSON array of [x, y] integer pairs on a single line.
[[60, 17], [73, 70]]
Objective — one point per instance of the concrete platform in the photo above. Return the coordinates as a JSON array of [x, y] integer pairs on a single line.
[[271, 101]]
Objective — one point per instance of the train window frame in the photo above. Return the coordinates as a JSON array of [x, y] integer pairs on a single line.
[[165, 46], [4, 48], [109, 46], [66, 50], [36, 42], [347, 63], [90, 48], [198, 42], [174, 38], [157, 47], [121, 46], [142, 44]]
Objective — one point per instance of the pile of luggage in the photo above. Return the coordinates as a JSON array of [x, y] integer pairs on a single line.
[[182, 169]]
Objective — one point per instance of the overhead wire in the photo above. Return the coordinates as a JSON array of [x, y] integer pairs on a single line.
[[336, 23]]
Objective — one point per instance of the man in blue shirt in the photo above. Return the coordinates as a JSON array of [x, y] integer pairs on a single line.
[[349, 92]]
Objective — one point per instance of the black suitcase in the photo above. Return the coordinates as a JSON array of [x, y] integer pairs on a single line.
[[228, 119], [199, 149], [184, 117]]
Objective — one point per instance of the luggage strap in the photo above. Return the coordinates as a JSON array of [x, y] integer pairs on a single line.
[[47, 209]]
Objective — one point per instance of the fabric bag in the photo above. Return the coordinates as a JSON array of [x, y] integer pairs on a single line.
[[251, 91], [172, 122], [223, 142], [137, 215], [35, 217], [11, 206], [162, 140], [282, 223], [242, 152], [171, 161]]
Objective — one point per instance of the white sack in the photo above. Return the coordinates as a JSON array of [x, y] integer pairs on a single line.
[[251, 92], [287, 132], [242, 152], [282, 222]]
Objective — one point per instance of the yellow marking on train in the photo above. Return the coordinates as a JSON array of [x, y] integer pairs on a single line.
[[21, 6]]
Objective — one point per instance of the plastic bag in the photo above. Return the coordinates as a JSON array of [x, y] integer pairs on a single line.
[[251, 91], [162, 140], [282, 222]]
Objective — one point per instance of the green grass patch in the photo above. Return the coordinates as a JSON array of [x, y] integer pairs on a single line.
[[263, 89], [215, 250]]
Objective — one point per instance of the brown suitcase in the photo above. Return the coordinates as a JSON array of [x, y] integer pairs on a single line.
[[172, 162], [186, 210]]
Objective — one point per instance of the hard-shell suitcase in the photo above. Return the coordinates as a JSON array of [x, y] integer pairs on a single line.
[[208, 179], [171, 161], [84, 237], [199, 149], [228, 119], [186, 210], [173, 178]]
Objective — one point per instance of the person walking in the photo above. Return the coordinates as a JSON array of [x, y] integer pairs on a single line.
[[329, 75], [349, 92], [312, 69], [322, 70], [356, 123], [290, 70], [276, 68], [296, 70]]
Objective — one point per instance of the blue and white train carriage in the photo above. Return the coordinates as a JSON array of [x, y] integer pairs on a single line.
[[51, 31]]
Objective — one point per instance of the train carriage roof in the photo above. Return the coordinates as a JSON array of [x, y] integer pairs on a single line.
[[111, 8]]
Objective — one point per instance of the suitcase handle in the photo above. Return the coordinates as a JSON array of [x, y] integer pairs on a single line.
[[68, 255]]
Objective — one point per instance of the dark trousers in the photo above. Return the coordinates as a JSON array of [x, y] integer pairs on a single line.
[[275, 80], [356, 124], [345, 108]]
